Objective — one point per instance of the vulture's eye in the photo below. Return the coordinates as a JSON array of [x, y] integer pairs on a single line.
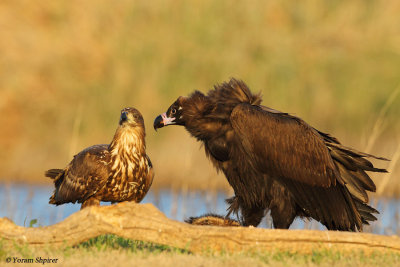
[[173, 111]]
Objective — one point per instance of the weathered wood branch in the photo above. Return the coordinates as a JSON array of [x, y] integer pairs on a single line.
[[147, 223]]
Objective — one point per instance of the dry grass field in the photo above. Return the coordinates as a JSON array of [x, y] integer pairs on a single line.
[[111, 250], [68, 67]]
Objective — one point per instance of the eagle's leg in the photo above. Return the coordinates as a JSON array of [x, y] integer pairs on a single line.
[[90, 202]]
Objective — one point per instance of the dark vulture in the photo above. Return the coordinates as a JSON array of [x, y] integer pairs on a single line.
[[275, 161], [120, 171]]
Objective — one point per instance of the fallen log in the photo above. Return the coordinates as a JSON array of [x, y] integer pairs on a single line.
[[145, 222]]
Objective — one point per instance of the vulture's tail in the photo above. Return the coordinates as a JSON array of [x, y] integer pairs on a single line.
[[352, 166]]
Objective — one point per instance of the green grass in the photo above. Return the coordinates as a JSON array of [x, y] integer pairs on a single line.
[[107, 242], [110, 249]]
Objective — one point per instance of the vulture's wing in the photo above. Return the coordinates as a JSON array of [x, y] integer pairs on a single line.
[[283, 146], [84, 176]]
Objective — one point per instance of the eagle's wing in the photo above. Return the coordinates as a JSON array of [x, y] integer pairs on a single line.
[[283, 146], [150, 175], [86, 174]]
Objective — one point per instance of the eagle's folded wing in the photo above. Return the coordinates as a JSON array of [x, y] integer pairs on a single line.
[[84, 176]]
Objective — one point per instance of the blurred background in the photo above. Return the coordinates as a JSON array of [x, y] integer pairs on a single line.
[[67, 68]]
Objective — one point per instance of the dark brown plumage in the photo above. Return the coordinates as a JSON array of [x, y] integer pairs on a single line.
[[120, 171], [212, 220], [275, 161]]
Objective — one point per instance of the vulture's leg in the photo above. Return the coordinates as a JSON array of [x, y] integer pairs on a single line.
[[252, 216], [234, 206], [90, 202], [283, 214]]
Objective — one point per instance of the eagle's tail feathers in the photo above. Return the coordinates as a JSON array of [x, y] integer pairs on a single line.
[[53, 173]]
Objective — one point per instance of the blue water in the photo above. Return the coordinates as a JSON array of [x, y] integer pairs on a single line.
[[23, 203]]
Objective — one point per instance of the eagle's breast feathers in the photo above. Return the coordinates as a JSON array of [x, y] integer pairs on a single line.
[[130, 169]]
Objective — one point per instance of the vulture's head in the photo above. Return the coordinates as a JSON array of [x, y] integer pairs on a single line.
[[173, 116], [131, 117]]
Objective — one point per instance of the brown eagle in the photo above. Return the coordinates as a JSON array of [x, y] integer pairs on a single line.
[[275, 161], [120, 171]]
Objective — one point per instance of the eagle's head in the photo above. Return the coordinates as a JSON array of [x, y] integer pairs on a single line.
[[130, 133], [131, 117]]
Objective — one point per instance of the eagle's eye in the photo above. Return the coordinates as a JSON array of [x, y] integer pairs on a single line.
[[173, 111]]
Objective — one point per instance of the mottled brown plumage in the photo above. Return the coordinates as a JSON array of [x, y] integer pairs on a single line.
[[212, 220], [120, 171], [275, 161]]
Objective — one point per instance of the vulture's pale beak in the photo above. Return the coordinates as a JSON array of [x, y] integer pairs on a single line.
[[163, 120]]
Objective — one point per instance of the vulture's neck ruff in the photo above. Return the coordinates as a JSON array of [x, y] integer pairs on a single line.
[[207, 116], [128, 154]]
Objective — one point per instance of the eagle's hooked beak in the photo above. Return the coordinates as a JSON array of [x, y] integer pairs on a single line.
[[123, 118], [163, 120]]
